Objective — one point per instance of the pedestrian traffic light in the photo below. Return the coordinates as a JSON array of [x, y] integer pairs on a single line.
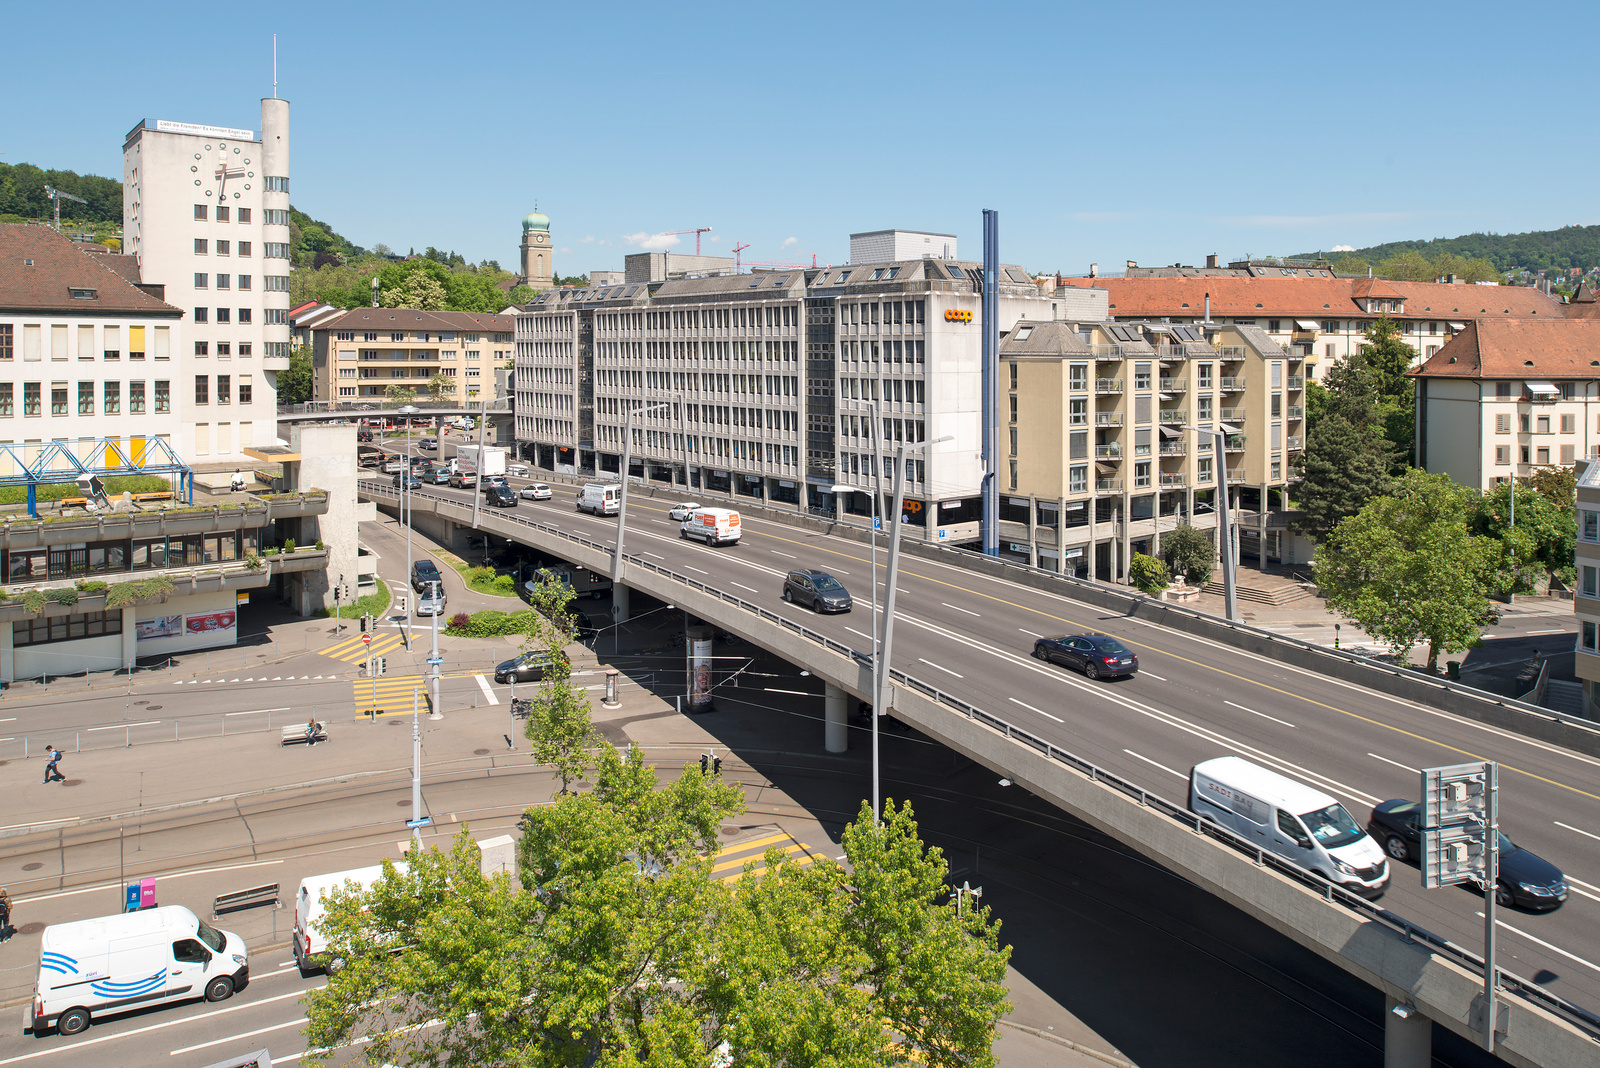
[[705, 762]]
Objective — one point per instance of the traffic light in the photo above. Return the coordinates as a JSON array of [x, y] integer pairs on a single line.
[[363, 623], [716, 766], [402, 603], [705, 763], [383, 664]]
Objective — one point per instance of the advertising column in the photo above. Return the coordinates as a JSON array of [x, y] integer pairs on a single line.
[[697, 641]]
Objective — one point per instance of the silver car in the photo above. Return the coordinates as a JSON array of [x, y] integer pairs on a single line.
[[680, 512]]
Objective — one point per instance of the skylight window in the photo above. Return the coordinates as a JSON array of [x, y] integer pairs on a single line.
[[1024, 333]]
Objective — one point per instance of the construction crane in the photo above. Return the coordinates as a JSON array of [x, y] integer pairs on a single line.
[[696, 232], [57, 196]]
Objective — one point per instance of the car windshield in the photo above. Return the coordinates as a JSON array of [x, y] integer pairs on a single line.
[[1332, 826], [211, 937], [828, 582], [1109, 646]]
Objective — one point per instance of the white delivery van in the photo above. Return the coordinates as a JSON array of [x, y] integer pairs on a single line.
[[112, 964], [1302, 825], [310, 944], [714, 526], [600, 498]]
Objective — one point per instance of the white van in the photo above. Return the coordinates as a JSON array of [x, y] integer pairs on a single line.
[[310, 944], [601, 498], [112, 964], [714, 526], [1302, 825]]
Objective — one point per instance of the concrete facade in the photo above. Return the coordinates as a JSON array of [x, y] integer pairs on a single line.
[[887, 246], [1586, 598], [660, 266]]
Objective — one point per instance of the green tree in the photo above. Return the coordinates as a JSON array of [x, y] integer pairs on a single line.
[[1545, 538], [1407, 266], [1346, 460], [559, 729], [1189, 552], [1409, 571], [442, 385], [1390, 358], [521, 294], [415, 289], [294, 385], [1351, 264], [1147, 573], [402, 394]]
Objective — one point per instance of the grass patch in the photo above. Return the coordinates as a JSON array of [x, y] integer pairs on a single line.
[[484, 580], [377, 603], [115, 485]]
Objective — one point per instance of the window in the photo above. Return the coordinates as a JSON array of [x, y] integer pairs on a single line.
[[1205, 376], [244, 215], [1544, 454], [1590, 634], [275, 250], [163, 343], [5, 400], [202, 389], [1543, 425], [1141, 376], [200, 280], [66, 628], [1205, 408], [275, 283], [199, 246], [224, 389], [1567, 453], [1502, 423], [1078, 479], [1330, 326], [202, 315], [7, 342], [222, 213], [1078, 411], [222, 246], [1078, 376], [200, 212], [244, 282], [30, 397], [135, 344], [244, 347], [1502, 455], [202, 348], [163, 395], [244, 248], [224, 314], [1141, 474], [136, 398], [244, 313], [112, 399], [244, 389], [222, 281], [278, 185], [1569, 421], [113, 341], [85, 398], [1589, 580], [1502, 391], [1203, 469], [1274, 326]]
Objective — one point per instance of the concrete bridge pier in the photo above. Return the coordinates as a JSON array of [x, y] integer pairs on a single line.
[[836, 719], [619, 603], [1408, 1039]]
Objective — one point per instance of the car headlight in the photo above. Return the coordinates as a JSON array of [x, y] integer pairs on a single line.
[[1348, 869], [238, 960]]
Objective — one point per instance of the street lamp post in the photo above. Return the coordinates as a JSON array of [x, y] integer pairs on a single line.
[[1230, 605], [619, 594], [477, 488]]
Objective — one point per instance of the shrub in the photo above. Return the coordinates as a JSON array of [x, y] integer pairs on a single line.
[[320, 546], [506, 584], [252, 562], [92, 586], [1189, 553], [458, 623], [288, 545], [122, 595], [156, 588], [34, 601], [65, 596], [1147, 573], [271, 550]]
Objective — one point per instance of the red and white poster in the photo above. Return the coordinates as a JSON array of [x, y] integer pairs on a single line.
[[210, 622]]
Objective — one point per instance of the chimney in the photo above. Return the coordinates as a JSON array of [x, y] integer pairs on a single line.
[[1132, 264], [1208, 307], [1094, 270], [1211, 261]]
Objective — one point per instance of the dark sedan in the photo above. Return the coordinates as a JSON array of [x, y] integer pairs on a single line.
[[407, 481], [529, 667], [1526, 879], [817, 590], [1095, 655], [500, 497]]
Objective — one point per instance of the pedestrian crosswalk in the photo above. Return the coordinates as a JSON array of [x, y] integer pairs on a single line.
[[391, 695], [353, 650], [731, 859]]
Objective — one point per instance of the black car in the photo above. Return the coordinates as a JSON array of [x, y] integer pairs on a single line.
[[1095, 655], [529, 667], [500, 497], [817, 590], [1525, 879], [407, 481]]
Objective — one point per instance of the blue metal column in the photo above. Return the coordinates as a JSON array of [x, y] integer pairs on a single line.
[[33, 499], [991, 385]]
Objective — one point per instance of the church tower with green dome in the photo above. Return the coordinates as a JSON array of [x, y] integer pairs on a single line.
[[538, 258]]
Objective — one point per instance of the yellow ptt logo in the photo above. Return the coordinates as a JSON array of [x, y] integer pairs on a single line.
[[954, 316]]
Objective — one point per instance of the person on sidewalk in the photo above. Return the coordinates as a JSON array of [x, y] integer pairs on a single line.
[[6, 930], [313, 728], [52, 773]]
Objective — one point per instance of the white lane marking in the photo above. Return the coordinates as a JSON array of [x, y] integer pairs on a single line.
[[858, 634], [1153, 675], [9, 719], [841, 571], [257, 711], [172, 875], [1154, 764], [120, 726], [941, 667], [1546, 945], [1263, 715], [958, 608], [38, 823], [658, 556], [1570, 827], [742, 586], [1030, 633], [209, 1014], [483, 684], [1396, 763], [797, 693], [246, 1034], [775, 552], [1535, 633], [1041, 711], [691, 567]]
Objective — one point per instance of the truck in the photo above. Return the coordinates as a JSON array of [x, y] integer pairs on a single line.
[[310, 943], [600, 498], [485, 459], [115, 964], [714, 526]]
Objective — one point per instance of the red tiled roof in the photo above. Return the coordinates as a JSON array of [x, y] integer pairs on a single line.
[[412, 319], [60, 266], [1374, 287], [1312, 298], [1519, 348]]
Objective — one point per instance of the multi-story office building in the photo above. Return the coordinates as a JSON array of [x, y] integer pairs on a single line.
[[1586, 599], [362, 353], [84, 351], [778, 385], [1320, 315], [1504, 398], [205, 212], [1103, 456], [879, 246]]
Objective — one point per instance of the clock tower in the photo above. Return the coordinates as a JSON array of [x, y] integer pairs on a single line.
[[538, 258]]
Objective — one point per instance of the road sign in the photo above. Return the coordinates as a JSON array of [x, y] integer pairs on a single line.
[[877, 523], [366, 639], [436, 660], [412, 825]]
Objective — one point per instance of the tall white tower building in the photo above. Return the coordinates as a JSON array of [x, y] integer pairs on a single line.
[[205, 210]]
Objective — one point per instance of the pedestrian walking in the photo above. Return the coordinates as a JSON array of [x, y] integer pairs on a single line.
[[52, 772], [6, 930]]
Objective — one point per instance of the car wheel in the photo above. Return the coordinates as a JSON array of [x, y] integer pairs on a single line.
[[1502, 896], [1395, 846], [684, 534], [816, 605], [1038, 654], [72, 1022], [1090, 671], [219, 989], [334, 966], [786, 596]]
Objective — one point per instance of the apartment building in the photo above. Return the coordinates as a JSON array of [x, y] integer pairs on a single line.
[[778, 385], [358, 355], [205, 213], [85, 352], [1320, 315], [1586, 601], [1103, 457], [1506, 397]]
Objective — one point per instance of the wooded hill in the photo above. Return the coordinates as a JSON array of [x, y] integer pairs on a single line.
[[1537, 250]]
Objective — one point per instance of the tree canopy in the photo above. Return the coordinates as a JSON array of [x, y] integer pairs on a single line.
[[1189, 552], [1346, 460], [1570, 246]]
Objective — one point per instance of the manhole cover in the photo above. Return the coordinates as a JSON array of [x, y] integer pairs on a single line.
[[397, 723], [141, 702], [153, 708], [73, 782], [29, 928], [32, 865], [730, 831], [480, 752], [402, 804]]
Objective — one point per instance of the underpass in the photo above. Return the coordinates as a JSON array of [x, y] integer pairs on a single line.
[[962, 643]]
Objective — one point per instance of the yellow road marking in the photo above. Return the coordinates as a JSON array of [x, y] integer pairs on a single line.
[[740, 847]]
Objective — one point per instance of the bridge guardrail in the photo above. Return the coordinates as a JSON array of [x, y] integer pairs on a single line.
[[1581, 1017]]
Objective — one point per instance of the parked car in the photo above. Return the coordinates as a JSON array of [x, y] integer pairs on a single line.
[[1093, 654], [529, 667], [423, 574], [363, 435], [517, 470], [1526, 879], [428, 443], [500, 497], [536, 492], [407, 481], [680, 512], [817, 590]]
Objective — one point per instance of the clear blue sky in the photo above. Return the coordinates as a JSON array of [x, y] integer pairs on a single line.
[[1156, 132]]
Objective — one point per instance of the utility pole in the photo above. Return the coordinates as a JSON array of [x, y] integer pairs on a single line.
[[990, 526]]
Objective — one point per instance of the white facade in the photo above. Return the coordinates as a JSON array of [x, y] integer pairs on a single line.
[[206, 213], [886, 246]]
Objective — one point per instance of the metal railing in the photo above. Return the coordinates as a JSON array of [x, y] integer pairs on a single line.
[[1107, 418], [1231, 352], [1295, 443], [1297, 381], [1106, 352], [1174, 481], [1108, 485], [1174, 415], [1108, 452], [1232, 415], [1172, 385], [1231, 383], [1174, 448], [1234, 442], [1108, 385], [1296, 411]]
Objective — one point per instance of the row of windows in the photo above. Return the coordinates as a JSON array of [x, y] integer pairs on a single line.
[[202, 246], [1540, 455], [110, 394], [224, 348], [1527, 424], [203, 281], [400, 336], [201, 211], [66, 628], [202, 389], [224, 315], [123, 554], [62, 337]]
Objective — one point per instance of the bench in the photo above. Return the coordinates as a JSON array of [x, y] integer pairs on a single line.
[[245, 899], [295, 733], [148, 498]]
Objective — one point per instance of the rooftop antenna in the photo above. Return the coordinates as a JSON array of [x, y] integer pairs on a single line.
[[274, 66]]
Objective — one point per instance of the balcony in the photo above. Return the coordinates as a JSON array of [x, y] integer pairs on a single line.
[[1304, 337], [1107, 418], [1231, 352], [1171, 353], [1230, 384], [1235, 476], [1174, 448], [1106, 352], [1295, 444], [1234, 443], [1177, 480], [1108, 485], [1231, 415], [1296, 412], [1173, 385], [1108, 385], [1108, 452], [1175, 416], [1297, 381]]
